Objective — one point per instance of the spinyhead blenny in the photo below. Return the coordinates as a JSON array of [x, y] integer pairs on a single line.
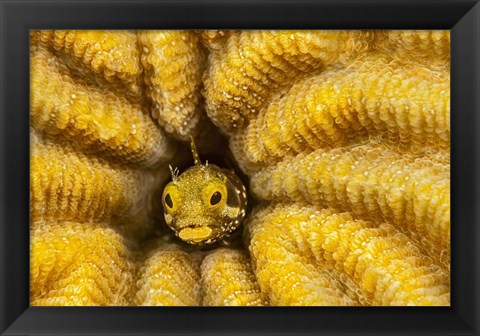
[[205, 203]]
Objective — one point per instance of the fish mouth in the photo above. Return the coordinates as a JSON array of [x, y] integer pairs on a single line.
[[195, 234]]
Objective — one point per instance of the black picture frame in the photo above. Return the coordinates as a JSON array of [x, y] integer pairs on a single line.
[[17, 17]]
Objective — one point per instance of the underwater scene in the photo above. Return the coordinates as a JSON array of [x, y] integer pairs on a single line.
[[240, 168]]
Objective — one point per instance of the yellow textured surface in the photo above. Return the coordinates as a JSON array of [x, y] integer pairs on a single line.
[[215, 39], [428, 47], [75, 264], [169, 277], [373, 182], [93, 118], [253, 64], [228, 280], [386, 267], [111, 55], [174, 62], [344, 137], [286, 274], [68, 185], [408, 106]]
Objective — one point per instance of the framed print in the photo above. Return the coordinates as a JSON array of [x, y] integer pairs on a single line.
[[239, 168]]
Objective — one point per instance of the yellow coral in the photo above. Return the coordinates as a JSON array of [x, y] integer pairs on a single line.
[[66, 185], [372, 96], [344, 137], [287, 275], [174, 62], [253, 64], [386, 267], [79, 265], [215, 39], [169, 277], [428, 47], [374, 183], [93, 118], [113, 55], [228, 280]]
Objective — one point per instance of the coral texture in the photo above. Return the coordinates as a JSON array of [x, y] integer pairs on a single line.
[[385, 266], [228, 280], [75, 264], [173, 62], [169, 277], [428, 47], [95, 119], [69, 185], [254, 64], [110, 56], [343, 137], [338, 107], [373, 182]]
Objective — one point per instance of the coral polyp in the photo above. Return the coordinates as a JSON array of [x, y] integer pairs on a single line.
[[341, 138]]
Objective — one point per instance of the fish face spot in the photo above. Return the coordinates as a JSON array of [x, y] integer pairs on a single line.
[[195, 234]]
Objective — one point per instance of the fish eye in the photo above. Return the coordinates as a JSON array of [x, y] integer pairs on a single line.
[[171, 198], [216, 198], [168, 201], [214, 194]]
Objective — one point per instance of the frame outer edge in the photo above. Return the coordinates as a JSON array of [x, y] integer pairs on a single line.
[[2, 170], [477, 169], [3, 146], [14, 154], [465, 177]]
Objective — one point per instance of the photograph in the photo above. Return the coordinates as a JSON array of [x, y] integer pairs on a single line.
[[240, 168]]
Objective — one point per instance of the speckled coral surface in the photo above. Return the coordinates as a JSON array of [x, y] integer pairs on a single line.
[[344, 137]]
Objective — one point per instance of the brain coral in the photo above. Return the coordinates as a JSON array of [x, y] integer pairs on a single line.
[[344, 138]]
